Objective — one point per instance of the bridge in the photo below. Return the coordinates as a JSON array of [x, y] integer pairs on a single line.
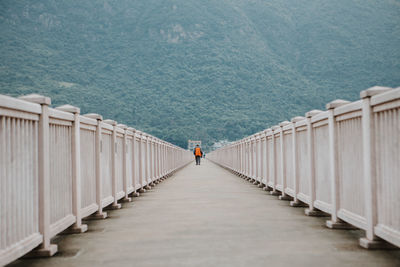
[[68, 181]]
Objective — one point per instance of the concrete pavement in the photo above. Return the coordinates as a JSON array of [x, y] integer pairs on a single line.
[[206, 216]]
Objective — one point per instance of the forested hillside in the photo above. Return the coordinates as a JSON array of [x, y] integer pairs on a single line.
[[209, 70]]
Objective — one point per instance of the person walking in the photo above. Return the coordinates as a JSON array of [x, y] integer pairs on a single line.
[[198, 154]]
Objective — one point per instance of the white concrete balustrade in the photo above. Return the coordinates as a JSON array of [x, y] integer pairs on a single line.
[[58, 167], [343, 162]]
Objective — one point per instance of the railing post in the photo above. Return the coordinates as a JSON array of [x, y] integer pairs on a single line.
[[78, 227], [150, 163], [125, 163], [238, 166], [159, 160], [173, 150], [167, 159], [236, 155], [334, 222], [245, 150], [171, 158], [266, 159], [153, 160], [251, 164], [243, 160], [262, 159], [158, 145], [259, 160], [241, 164], [133, 162], [256, 158], [100, 214], [140, 162], [115, 204], [175, 158], [237, 163], [275, 170], [162, 174], [241, 170], [154, 149], [283, 196], [230, 156], [162, 160], [233, 157], [147, 162], [156, 161], [295, 202], [46, 249], [369, 162], [253, 158], [248, 151], [311, 210]]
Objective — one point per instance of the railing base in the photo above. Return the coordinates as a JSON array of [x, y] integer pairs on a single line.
[[285, 197], [74, 229], [42, 252], [126, 199], [114, 206], [376, 244], [339, 225], [315, 213], [274, 193], [97, 216], [297, 204]]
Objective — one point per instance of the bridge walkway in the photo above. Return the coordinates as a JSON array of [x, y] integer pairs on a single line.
[[206, 216]]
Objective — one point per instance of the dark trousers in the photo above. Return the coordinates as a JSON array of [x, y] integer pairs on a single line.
[[198, 160]]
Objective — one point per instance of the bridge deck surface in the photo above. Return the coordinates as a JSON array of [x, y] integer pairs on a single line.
[[206, 216]]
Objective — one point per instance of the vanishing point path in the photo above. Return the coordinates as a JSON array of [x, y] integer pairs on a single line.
[[206, 216]]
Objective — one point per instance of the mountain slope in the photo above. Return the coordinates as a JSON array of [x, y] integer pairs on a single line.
[[206, 70]]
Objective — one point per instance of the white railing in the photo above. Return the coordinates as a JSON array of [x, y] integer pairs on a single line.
[[344, 162], [57, 167]]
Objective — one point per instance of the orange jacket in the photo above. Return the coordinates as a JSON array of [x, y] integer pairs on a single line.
[[198, 152]]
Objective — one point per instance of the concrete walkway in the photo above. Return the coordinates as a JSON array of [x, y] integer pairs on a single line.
[[206, 216]]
